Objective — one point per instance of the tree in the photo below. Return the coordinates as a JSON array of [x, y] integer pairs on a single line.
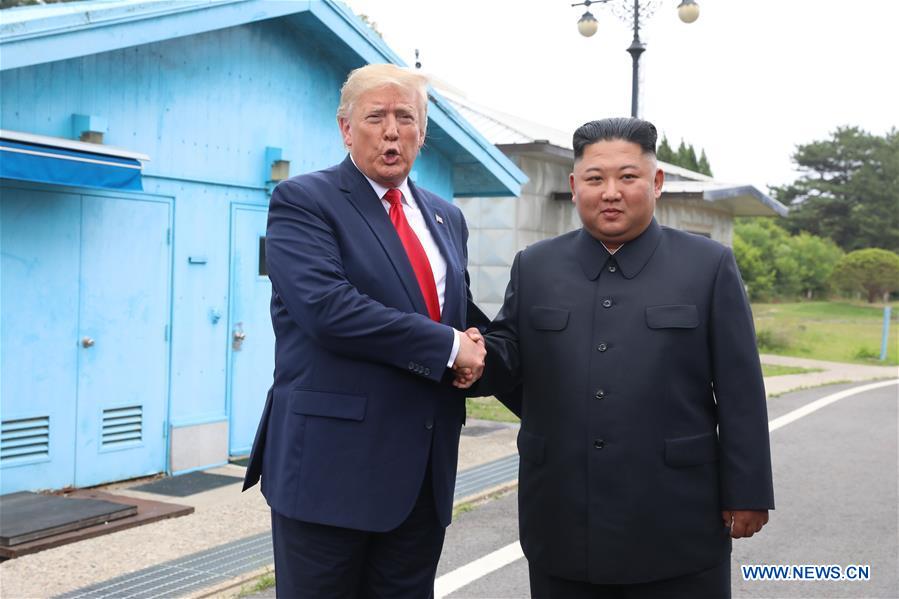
[[685, 157], [664, 152], [766, 259], [817, 257], [874, 271], [774, 264], [848, 190], [704, 167]]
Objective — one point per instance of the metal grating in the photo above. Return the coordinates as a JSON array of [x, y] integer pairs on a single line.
[[122, 426], [185, 576], [486, 476], [24, 439], [181, 577]]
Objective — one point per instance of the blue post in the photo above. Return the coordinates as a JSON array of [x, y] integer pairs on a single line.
[[886, 332]]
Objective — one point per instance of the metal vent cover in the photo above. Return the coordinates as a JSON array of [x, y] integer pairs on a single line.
[[122, 426], [24, 439]]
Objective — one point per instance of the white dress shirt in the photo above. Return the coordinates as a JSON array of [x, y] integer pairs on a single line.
[[417, 221]]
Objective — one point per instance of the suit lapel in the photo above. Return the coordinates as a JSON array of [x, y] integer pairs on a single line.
[[440, 231], [360, 194]]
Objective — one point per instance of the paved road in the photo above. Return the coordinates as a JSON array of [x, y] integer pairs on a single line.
[[835, 474]]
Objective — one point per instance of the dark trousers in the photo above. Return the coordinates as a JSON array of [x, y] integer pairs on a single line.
[[328, 562], [713, 583]]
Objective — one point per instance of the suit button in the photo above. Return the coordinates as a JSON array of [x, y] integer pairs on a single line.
[[600, 394], [429, 424], [606, 303], [598, 443], [612, 268], [602, 347]]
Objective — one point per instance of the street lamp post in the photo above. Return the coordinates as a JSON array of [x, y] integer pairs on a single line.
[[687, 10]]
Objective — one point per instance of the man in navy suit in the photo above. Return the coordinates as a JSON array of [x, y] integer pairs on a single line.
[[644, 436], [358, 442]]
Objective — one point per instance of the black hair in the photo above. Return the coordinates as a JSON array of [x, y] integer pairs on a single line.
[[643, 133]]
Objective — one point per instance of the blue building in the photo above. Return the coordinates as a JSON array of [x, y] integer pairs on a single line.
[[140, 142]]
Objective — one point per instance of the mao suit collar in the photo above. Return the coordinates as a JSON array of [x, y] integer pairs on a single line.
[[630, 257]]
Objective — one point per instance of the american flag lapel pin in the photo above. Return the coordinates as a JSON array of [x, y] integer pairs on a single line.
[[439, 219]]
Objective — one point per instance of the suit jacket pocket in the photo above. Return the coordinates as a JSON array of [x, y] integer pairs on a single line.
[[530, 446], [683, 316], [330, 405], [691, 451], [548, 319]]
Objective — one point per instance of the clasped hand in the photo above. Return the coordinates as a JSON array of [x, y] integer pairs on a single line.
[[469, 364]]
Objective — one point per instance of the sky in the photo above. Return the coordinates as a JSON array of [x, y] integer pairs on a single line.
[[748, 81]]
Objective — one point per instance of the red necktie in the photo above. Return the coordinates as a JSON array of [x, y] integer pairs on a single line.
[[415, 251]]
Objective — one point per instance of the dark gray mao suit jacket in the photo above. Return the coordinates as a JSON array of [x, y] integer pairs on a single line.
[[641, 400]]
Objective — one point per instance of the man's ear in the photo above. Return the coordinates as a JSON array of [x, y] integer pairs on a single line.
[[571, 185], [658, 181], [344, 124]]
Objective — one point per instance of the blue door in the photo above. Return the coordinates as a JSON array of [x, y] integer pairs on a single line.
[[40, 242], [252, 347], [123, 339], [85, 305]]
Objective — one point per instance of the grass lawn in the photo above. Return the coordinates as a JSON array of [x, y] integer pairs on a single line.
[[836, 331], [777, 370], [488, 408]]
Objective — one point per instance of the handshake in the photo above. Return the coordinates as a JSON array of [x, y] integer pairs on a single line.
[[469, 364]]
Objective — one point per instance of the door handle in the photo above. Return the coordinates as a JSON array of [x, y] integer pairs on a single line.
[[238, 337]]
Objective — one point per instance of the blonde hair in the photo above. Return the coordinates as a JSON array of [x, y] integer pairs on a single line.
[[374, 76]]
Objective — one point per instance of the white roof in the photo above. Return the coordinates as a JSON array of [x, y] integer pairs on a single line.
[[501, 128]]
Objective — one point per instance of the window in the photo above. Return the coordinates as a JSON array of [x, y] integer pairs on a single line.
[[263, 272]]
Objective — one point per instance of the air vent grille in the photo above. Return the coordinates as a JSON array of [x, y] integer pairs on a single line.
[[122, 426], [24, 439]]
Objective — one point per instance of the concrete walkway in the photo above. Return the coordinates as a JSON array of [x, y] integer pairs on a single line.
[[225, 514], [830, 373]]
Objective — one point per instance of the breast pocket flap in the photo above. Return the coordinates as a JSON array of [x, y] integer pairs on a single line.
[[548, 319], [327, 404], [530, 446], [691, 451], [672, 317]]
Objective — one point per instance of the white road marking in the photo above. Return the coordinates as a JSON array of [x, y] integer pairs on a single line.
[[460, 577], [823, 402]]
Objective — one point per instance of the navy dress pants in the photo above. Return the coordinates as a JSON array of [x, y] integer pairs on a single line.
[[713, 583], [329, 562]]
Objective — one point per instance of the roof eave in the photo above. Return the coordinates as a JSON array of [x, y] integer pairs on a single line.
[[746, 200]]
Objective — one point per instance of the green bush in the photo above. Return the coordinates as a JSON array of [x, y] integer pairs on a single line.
[[872, 271], [772, 341], [775, 265]]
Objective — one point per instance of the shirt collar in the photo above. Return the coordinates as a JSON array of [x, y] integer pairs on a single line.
[[380, 190], [630, 257]]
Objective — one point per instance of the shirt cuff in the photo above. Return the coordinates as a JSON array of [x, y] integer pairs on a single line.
[[457, 343]]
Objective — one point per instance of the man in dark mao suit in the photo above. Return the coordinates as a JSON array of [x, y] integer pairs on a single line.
[[358, 441], [644, 439]]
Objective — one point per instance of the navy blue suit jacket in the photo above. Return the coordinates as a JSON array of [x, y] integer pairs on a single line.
[[361, 397], [642, 404]]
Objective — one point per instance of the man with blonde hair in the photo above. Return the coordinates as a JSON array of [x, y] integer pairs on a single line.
[[358, 442]]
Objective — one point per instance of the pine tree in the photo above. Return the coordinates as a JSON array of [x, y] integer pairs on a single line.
[[704, 166], [665, 153]]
